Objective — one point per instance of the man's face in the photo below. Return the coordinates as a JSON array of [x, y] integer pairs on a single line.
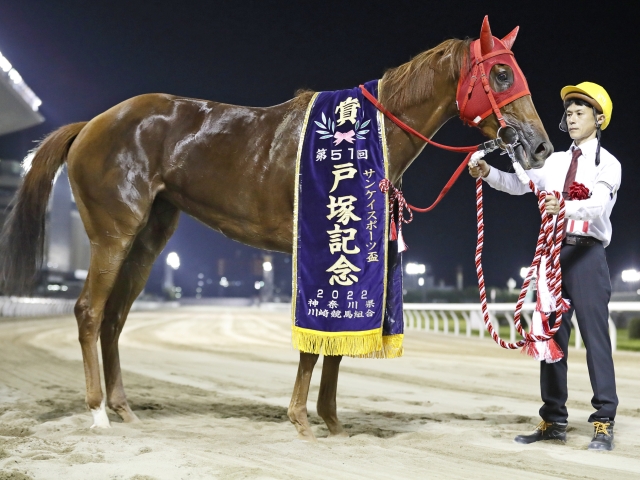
[[581, 123]]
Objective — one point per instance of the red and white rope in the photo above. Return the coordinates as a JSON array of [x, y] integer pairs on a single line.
[[549, 245]]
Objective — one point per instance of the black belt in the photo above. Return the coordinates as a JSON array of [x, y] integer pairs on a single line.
[[580, 241]]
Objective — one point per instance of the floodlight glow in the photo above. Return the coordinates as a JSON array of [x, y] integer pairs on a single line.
[[524, 271], [421, 281], [19, 85], [631, 275], [80, 274], [173, 260], [15, 76], [224, 282], [415, 268], [5, 64], [267, 267]]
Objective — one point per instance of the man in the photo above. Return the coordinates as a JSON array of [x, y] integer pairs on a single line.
[[585, 274]]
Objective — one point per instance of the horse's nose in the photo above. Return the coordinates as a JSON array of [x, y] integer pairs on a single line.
[[542, 152]]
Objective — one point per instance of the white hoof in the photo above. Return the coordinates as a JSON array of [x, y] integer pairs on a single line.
[[100, 418]]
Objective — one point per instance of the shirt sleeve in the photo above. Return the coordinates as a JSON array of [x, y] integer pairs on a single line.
[[506, 182], [604, 191]]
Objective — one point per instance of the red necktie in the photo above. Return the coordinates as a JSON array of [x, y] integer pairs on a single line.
[[571, 173]]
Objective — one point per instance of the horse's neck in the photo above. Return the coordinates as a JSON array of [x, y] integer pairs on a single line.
[[426, 117]]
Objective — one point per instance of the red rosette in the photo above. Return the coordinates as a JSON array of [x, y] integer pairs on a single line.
[[577, 191]]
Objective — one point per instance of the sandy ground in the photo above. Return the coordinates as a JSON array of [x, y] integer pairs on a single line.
[[212, 385]]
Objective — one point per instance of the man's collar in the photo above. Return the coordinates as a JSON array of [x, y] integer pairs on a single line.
[[588, 148]]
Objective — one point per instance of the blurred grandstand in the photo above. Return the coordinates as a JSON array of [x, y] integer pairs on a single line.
[[67, 248]]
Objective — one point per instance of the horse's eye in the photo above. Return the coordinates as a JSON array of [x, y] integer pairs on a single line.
[[503, 77]]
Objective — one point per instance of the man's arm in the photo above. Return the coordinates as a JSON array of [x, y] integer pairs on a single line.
[[503, 181]]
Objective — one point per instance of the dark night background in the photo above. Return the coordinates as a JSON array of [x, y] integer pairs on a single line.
[[83, 57]]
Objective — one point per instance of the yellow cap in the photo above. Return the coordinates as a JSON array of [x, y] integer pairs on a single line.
[[592, 93]]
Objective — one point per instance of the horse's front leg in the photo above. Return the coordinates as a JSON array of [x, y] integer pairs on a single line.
[[298, 407], [327, 396]]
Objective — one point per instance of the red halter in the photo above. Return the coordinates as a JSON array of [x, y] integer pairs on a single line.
[[476, 100]]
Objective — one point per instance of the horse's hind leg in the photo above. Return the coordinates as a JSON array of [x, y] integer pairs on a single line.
[[108, 252], [132, 278], [327, 396], [298, 407]]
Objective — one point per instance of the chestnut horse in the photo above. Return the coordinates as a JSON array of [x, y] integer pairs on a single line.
[[134, 167]]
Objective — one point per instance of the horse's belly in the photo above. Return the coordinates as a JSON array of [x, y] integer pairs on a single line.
[[265, 230]]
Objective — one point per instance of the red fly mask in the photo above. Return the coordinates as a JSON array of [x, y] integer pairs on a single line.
[[476, 100]]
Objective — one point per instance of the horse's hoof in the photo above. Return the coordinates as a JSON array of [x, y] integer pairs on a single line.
[[100, 418], [307, 436], [342, 434], [127, 415]]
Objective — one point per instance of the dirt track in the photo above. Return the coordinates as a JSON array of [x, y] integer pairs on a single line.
[[211, 386]]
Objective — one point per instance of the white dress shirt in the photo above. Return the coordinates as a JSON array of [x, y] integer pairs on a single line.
[[588, 217]]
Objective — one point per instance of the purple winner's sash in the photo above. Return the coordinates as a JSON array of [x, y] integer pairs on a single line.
[[347, 279]]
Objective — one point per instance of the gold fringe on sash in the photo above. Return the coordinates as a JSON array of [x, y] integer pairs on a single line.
[[368, 344], [391, 348], [353, 344]]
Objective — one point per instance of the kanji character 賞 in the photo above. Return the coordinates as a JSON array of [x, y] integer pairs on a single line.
[[347, 110]]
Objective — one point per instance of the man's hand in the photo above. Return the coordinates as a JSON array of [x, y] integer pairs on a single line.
[[552, 205], [482, 169]]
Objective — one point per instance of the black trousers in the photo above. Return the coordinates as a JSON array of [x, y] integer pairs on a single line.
[[586, 282]]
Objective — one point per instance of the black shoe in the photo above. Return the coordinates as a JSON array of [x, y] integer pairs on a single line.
[[602, 435], [545, 431]]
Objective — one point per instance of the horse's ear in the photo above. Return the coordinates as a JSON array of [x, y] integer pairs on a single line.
[[510, 38], [486, 39]]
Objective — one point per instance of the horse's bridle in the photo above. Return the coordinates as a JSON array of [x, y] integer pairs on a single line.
[[474, 107]]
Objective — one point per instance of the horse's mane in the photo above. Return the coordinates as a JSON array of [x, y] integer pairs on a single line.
[[410, 83]]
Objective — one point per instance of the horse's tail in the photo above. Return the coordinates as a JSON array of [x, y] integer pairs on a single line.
[[22, 237]]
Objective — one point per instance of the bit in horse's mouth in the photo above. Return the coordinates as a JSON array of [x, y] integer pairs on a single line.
[[525, 158]]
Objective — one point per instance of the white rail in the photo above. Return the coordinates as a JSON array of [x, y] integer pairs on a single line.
[[44, 307], [436, 317]]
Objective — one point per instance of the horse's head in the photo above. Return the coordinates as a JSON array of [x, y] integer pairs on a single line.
[[493, 95]]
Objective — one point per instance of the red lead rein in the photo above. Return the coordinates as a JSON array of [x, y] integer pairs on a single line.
[[549, 245], [397, 194]]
